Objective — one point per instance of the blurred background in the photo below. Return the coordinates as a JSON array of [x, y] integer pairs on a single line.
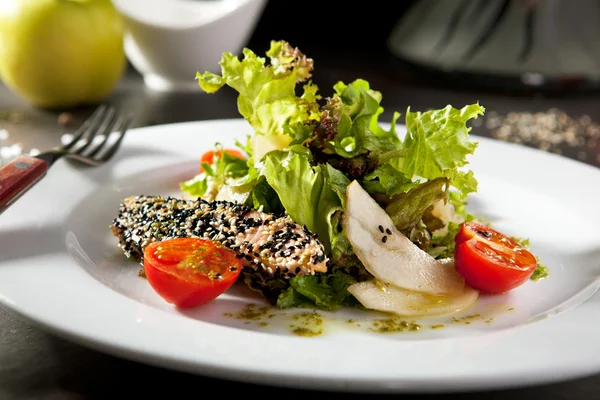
[[533, 64]]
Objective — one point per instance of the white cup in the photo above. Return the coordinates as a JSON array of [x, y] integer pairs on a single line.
[[168, 41]]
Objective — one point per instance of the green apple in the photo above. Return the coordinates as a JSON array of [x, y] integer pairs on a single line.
[[61, 53]]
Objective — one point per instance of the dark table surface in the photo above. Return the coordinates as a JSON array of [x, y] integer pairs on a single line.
[[37, 365]]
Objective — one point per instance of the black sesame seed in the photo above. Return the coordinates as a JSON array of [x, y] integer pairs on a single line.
[[380, 228], [388, 231], [484, 233], [384, 239]]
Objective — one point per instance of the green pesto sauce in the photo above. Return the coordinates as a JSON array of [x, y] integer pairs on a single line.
[[394, 325], [304, 323], [302, 331], [311, 323], [468, 318], [541, 272], [307, 324], [253, 312]]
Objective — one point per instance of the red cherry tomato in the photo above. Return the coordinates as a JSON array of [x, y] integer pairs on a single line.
[[209, 156], [490, 261], [188, 272]]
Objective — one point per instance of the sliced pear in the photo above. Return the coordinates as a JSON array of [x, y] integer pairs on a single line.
[[382, 297], [392, 257]]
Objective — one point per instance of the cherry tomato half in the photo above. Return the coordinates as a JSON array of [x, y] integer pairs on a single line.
[[490, 261], [188, 272], [209, 156]]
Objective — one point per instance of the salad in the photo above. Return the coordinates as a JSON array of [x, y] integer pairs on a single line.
[[386, 214]]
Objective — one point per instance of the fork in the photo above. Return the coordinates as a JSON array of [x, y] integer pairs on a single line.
[[89, 146]]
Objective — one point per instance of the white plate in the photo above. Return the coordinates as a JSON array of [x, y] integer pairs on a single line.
[[60, 268]]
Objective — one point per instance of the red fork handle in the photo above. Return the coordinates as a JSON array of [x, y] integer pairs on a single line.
[[18, 176]]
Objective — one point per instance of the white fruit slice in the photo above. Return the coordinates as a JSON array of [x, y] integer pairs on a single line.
[[393, 258], [379, 296]]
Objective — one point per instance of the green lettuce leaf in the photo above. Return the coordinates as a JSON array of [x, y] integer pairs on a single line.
[[351, 122], [407, 209], [386, 179], [265, 197], [310, 195], [267, 91], [326, 292], [224, 171], [437, 144], [443, 246]]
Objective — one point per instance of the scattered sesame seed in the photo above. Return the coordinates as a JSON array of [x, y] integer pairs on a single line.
[[553, 130]]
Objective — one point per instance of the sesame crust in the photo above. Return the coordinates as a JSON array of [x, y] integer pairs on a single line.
[[272, 245]]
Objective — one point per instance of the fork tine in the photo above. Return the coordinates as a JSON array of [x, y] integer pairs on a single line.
[[105, 130], [93, 130], [91, 121], [125, 124]]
